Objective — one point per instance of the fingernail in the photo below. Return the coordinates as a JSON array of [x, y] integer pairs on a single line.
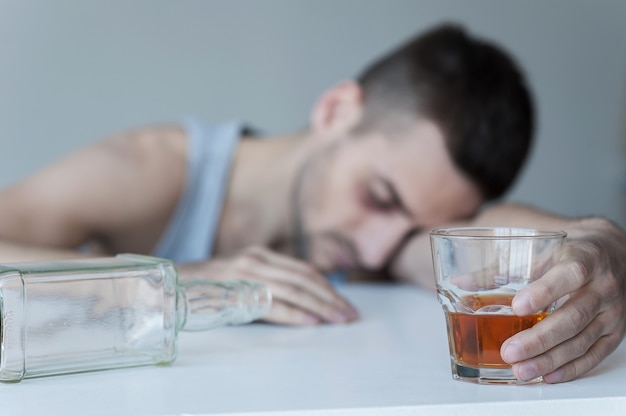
[[512, 353], [351, 313], [339, 317], [522, 305], [527, 371], [554, 377], [311, 320]]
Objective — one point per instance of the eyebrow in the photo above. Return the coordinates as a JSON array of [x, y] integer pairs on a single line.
[[395, 196]]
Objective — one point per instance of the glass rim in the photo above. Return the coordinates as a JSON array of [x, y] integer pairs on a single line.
[[491, 233]]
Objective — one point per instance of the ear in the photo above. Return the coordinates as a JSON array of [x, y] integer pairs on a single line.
[[338, 109]]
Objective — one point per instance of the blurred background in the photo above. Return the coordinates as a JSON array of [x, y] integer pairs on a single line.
[[72, 72]]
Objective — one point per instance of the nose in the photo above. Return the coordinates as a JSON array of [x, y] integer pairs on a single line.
[[378, 239]]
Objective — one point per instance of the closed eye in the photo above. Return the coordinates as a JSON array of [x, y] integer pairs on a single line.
[[379, 202], [381, 194]]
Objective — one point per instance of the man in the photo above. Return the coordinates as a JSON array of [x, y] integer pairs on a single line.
[[423, 139]]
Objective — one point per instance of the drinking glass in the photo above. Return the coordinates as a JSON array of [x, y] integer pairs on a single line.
[[478, 271]]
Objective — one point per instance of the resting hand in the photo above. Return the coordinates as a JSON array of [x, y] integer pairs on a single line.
[[300, 294], [591, 322]]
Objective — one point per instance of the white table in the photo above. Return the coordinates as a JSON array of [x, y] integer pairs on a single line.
[[394, 361]]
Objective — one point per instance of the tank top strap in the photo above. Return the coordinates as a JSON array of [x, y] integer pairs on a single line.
[[191, 232]]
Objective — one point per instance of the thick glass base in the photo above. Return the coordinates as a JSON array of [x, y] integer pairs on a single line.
[[491, 375]]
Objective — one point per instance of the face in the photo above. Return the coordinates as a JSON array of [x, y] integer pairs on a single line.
[[358, 198]]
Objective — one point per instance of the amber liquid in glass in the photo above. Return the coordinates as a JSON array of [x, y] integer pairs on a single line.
[[475, 339]]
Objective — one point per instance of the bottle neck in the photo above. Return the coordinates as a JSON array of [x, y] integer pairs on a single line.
[[204, 304]]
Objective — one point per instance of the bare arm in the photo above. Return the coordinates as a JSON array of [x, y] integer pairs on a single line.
[[117, 194], [11, 252], [414, 263]]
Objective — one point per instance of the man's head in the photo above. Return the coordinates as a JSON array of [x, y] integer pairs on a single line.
[[426, 135], [470, 88]]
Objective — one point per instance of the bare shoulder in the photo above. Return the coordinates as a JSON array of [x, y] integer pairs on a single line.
[[121, 188], [146, 146]]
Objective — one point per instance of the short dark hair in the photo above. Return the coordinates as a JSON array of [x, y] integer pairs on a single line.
[[472, 89]]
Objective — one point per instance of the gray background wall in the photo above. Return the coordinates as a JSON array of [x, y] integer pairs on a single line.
[[74, 71]]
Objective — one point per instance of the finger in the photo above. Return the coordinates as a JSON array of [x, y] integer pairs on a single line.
[[565, 323], [282, 313], [574, 369], [307, 271], [289, 263], [310, 304], [301, 283], [569, 350], [288, 287], [562, 279]]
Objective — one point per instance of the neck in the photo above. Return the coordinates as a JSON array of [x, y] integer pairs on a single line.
[[258, 209]]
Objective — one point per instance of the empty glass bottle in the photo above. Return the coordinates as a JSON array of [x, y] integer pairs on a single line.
[[95, 314]]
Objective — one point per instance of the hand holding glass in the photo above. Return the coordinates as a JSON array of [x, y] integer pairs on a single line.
[[478, 271]]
